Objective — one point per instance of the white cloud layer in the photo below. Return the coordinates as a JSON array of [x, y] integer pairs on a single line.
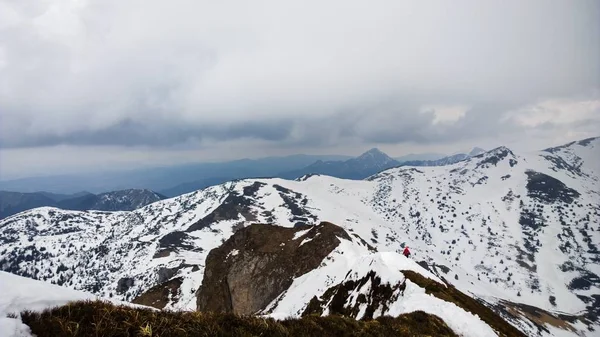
[[556, 112]]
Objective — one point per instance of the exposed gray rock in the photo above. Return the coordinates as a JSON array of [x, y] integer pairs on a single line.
[[259, 262], [124, 284]]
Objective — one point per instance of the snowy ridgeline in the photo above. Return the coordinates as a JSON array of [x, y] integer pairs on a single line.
[[502, 226], [21, 294], [388, 268]]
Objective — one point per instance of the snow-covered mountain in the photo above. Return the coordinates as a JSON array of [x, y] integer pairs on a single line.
[[123, 200], [374, 158], [447, 160], [476, 151], [15, 202], [518, 231]]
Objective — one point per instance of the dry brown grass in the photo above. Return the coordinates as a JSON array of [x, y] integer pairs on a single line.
[[541, 317], [89, 318]]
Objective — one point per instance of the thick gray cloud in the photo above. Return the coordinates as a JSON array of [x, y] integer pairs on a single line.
[[306, 75], [130, 132]]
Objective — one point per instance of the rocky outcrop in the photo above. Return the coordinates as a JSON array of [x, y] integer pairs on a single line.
[[336, 298], [259, 262], [124, 284], [160, 295]]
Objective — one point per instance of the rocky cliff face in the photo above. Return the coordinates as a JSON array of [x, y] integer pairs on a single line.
[[259, 262]]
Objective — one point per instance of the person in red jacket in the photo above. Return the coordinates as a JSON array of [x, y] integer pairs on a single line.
[[406, 252]]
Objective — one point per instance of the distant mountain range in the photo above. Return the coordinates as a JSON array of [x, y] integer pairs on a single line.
[[178, 180], [370, 163], [170, 181], [125, 200], [361, 167]]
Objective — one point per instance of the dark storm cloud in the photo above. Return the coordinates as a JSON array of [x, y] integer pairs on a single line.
[[308, 74], [135, 133], [390, 124]]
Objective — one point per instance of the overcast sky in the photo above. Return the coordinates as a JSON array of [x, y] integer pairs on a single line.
[[110, 83]]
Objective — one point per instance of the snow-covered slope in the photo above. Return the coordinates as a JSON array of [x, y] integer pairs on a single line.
[[323, 269], [387, 270], [19, 294], [521, 228]]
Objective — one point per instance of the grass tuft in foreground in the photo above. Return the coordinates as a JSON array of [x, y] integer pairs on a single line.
[[96, 318]]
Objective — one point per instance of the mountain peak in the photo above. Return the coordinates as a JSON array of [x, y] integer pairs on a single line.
[[375, 153], [476, 151], [375, 158], [361, 167], [495, 156], [375, 150], [499, 149]]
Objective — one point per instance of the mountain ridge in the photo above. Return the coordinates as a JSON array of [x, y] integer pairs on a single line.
[[420, 156], [124, 200], [369, 163], [164, 178]]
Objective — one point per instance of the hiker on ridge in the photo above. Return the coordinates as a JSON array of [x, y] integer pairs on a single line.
[[406, 252]]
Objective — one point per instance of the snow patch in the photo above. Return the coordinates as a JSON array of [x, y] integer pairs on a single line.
[[299, 234], [306, 240], [234, 252], [460, 321], [20, 294]]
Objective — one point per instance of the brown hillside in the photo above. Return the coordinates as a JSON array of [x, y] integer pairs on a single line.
[[259, 262]]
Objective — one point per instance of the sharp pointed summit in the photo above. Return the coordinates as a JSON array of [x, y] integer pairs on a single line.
[[375, 157], [476, 151], [373, 152]]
